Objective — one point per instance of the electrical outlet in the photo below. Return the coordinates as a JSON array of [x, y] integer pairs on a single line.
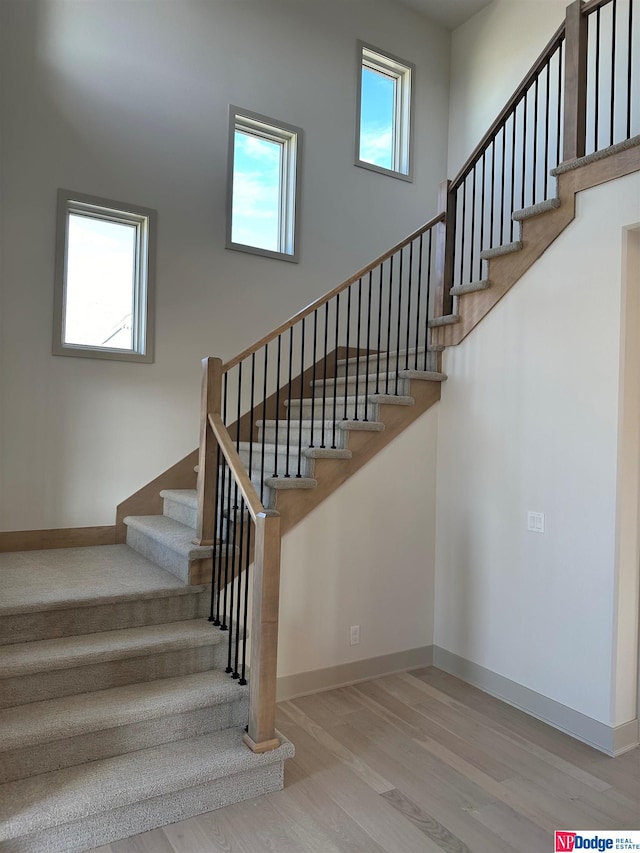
[[355, 635], [535, 522]]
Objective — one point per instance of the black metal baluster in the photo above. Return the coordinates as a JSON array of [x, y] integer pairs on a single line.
[[366, 387], [235, 673], [264, 420], [535, 142], [482, 211], [380, 290], [418, 304], [243, 671], [313, 377], [299, 474], [238, 408], [335, 370], [386, 384], [473, 224], [463, 227], [614, 8], [357, 389], [629, 67], [324, 372], [232, 579], [277, 435], [596, 99], [428, 297], [251, 411], [346, 379], [524, 149], [400, 284], [513, 174]]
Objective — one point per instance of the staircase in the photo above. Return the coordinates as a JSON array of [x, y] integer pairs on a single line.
[[122, 708]]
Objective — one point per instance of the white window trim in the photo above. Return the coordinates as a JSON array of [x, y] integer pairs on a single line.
[[404, 110], [144, 220], [290, 137]]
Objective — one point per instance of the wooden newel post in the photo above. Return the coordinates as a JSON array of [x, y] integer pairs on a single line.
[[210, 402], [575, 82], [261, 736], [445, 243]]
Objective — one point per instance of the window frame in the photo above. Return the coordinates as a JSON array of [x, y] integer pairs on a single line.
[[404, 74], [290, 137], [145, 222]]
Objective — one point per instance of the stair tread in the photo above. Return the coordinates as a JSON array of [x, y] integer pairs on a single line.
[[63, 796], [172, 534], [80, 577], [87, 649], [188, 497], [70, 716], [316, 425], [499, 251], [351, 400], [363, 378], [373, 354]]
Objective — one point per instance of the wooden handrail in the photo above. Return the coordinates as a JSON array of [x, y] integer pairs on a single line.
[[238, 470], [313, 306], [506, 111]]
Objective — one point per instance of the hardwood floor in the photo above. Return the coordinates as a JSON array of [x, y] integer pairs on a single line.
[[416, 763]]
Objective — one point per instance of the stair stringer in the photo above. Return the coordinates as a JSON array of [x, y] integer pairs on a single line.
[[537, 234], [294, 504]]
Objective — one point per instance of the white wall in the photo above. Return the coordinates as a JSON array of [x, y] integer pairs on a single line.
[[490, 55], [364, 557], [529, 420], [128, 100]]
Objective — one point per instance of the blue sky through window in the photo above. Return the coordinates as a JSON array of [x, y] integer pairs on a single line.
[[257, 165], [377, 111]]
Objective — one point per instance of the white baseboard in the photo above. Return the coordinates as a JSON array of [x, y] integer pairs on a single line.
[[304, 683], [612, 740]]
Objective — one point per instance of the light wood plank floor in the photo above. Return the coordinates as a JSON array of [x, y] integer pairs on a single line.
[[416, 763]]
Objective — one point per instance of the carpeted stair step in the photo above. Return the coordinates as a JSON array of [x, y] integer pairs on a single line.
[[313, 432], [499, 251], [356, 385], [69, 591], [181, 505], [48, 669], [602, 154], [472, 287], [276, 458], [80, 808], [165, 542], [414, 357], [445, 320], [536, 209], [349, 408], [56, 733]]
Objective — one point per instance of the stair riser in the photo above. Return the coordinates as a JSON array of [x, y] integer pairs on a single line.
[[390, 364], [36, 687], [351, 410], [278, 464], [106, 743], [126, 821], [354, 386], [180, 512], [159, 554], [47, 624], [341, 436]]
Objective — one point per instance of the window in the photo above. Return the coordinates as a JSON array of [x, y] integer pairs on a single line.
[[263, 196], [385, 101], [104, 279]]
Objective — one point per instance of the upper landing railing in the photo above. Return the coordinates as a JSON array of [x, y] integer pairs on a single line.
[[303, 384]]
